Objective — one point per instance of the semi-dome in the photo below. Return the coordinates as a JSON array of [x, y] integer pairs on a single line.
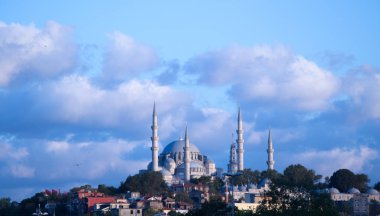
[[333, 190], [177, 146], [265, 181], [373, 191], [353, 191]]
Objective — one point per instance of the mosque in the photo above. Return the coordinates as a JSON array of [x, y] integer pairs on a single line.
[[181, 160]]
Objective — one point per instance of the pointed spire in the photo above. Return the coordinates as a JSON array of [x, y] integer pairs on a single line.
[[187, 156], [240, 121], [154, 139], [240, 142], [270, 151], [270, 138], [186, 137]]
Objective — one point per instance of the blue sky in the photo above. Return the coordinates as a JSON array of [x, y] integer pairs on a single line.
[[78, 80]]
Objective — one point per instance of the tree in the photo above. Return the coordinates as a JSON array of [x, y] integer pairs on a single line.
[[377, 186], [5, 202], [213, 208], [299, 176], [183, 197], [214, 185], [148, 183], [270, 174], [344, 179], [108, 190], [295, 201], [248, 176], [361, 182]]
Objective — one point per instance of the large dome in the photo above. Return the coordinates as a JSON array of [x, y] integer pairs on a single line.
[[177, 146]]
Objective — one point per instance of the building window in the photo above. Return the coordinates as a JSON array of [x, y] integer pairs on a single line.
[[131, 211], [138, 211]]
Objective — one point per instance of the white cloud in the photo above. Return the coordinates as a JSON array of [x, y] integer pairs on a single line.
[[93, 158], [328, 161], [28, 51], [215, 121], [22, 171], [75, 99], [268, 75], [125, 58], [57, 146], [8, 152], [363, 88]]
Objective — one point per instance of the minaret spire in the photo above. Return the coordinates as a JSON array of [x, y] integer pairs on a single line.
[[240, 142], [270, 151], [187, 156], [154, 139]]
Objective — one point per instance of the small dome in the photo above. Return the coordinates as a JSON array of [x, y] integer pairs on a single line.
[[177, 146], [236, 188], [353, 191], [264, 182], [333, 190], [373, 191], [252, 186]]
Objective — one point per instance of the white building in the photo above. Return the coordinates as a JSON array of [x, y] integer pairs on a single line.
[[181, 160]]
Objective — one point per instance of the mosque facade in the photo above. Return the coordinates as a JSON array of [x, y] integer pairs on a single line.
[[181, 160]]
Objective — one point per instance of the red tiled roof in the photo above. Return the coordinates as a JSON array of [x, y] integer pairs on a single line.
[[91, 201]]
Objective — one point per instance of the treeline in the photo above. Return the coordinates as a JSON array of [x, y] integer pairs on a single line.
[[295, 178], [296, 191]]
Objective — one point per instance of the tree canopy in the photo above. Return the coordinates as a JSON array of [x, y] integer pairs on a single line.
[[149, 183], [377, 186], [298, 176], [345, 179], [296, 199]]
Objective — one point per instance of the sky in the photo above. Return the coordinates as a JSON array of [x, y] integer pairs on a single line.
[[78, 80]]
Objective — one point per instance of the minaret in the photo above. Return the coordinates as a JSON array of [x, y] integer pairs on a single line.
[[232, 166], [240, 142], [270, 151], [154, 139], [187, 156]]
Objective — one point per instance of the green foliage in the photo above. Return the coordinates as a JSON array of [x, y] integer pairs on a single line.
[[214, 185], [377, 186], [148, 183], [86, 187], [248, 176], [299, 176], [5, 202], [344, 179], [108, 190], [183, 197], [149, 212], [213, 208], [295, 201], [174, 213], [292, 194], [270, 174]]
